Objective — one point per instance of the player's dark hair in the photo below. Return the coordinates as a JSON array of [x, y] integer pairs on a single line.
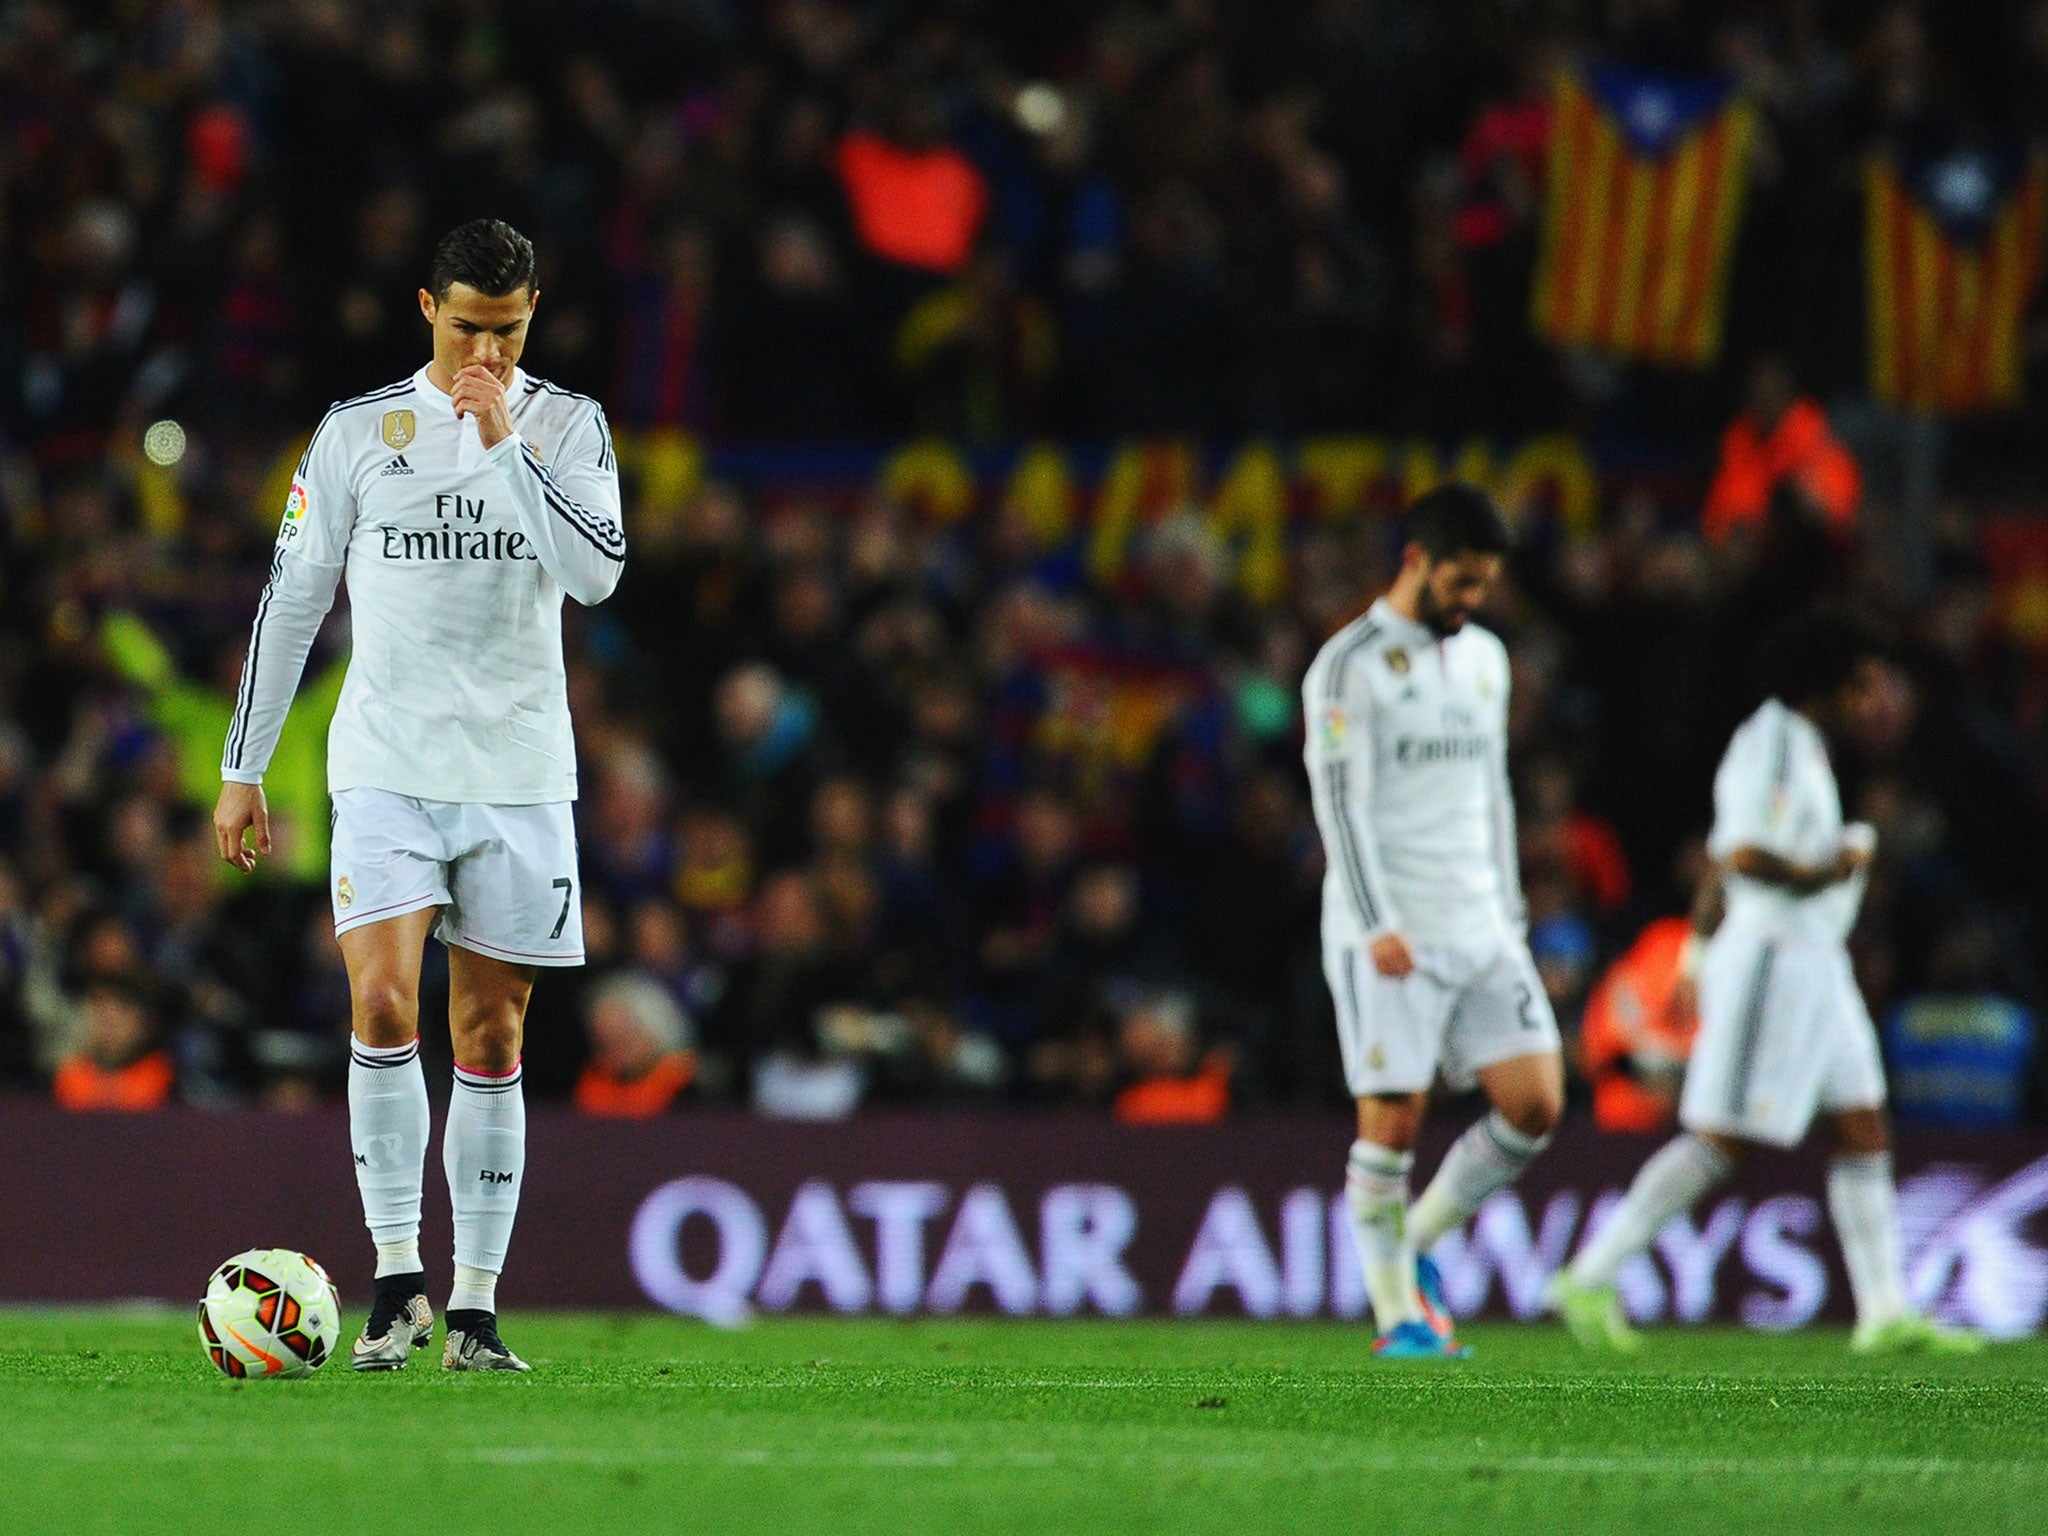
[[1814, 653], [1457, 518], [488, 254]]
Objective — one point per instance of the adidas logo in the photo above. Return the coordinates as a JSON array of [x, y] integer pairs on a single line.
[[397, 466]]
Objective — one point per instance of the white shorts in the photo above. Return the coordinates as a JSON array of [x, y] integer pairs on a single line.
[[1783, 1035], [504, 876], [1459, 1009]]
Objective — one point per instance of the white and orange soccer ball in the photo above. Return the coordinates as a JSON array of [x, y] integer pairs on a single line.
[[269, 1312]]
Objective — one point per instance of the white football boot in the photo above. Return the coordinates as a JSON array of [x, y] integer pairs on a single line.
[[477, 1347], [398, 1325]]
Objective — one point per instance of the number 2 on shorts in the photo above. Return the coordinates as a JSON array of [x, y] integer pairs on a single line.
[[567, 888]]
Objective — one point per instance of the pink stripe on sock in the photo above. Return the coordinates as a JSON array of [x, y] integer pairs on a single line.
[[474, 1072]]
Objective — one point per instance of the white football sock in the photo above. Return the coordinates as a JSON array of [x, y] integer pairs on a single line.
[[387, 1131], [1376, 1188], [1488, 1157], [1681, 1171], [399, 1258], [484, 1151], [475, 1290], [1865, 1208]]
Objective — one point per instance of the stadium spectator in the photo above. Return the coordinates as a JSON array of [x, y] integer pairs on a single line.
[[915, 202], [1780, 440], [640, 1050], [119, 1065], [1158, 222], [714, 878], [1018, 909], [769, 735], [1638, 1030], [782, 998], [1170, 1080]]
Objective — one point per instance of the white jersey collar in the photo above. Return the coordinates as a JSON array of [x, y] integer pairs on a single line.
[[1414, 630]]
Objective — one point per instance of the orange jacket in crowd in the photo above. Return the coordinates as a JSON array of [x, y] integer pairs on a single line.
[[599, 1092], [1800, 447], [1198, 1100], [919, 207], [1633, 1012], [83, 1083]]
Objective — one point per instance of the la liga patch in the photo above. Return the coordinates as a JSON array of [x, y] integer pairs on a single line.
[[1334, 728], [294, 512]]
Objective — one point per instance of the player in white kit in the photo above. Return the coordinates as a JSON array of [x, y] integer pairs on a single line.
[[1784, 1035], [461, 503], [1424, 942]]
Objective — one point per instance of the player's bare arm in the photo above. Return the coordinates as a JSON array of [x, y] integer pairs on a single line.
[[1709, 905], [1769, 868]]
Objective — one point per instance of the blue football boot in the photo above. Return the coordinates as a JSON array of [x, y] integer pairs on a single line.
[[1416, 1340], [1429, 1285]]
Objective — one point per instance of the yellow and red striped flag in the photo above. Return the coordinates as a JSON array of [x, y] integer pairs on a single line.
[[1953, 250], [1647, 177]]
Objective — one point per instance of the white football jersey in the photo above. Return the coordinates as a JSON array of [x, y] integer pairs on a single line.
[[1407, 762], [1775, 790], [457, 560]]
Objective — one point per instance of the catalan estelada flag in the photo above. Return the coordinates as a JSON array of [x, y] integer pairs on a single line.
[[1953, 250], [1647, 176]]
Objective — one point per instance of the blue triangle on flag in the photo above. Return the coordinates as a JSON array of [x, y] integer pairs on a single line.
[[1654, 111], [1966, 189]]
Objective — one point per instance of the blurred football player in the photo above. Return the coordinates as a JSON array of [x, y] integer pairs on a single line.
[[1784, 1034], [1424, 928]]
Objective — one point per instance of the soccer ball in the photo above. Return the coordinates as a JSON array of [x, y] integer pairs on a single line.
[[269, 1312]]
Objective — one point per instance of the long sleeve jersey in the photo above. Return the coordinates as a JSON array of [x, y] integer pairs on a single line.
[[457, 559], [1407, 762]]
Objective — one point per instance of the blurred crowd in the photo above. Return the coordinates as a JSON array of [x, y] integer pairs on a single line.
[[810, 218], [884, 809]]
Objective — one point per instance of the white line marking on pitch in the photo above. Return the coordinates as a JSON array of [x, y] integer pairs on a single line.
[[914, 1458]]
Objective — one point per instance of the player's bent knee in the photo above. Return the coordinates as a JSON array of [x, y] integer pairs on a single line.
[[487, 1040], [1392, 1121], [387, 1012], [488, 1051], [1527, 1092]]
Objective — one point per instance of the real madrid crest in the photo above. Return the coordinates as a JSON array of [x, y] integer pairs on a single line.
[[398, 429], [1397, 661], [344, 893]]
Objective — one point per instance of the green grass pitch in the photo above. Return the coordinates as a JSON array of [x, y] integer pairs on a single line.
[[112, 1421]]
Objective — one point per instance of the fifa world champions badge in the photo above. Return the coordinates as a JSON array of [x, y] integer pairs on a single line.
[[399, 428]]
